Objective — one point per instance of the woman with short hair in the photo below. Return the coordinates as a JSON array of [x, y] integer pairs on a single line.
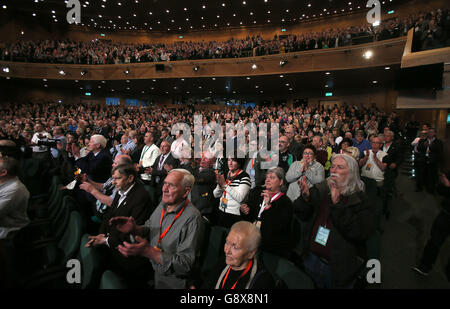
[[307, 166], [272, 212], [232, 191]]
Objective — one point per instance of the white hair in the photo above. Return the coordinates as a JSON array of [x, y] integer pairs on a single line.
[[99, 139], [251, 233], [188, 178], [353, 182]]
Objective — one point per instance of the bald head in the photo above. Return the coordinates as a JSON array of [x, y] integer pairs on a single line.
[[122, 159]]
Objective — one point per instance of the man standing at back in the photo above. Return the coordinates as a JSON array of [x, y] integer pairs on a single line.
[[148, 156], [294, 148]]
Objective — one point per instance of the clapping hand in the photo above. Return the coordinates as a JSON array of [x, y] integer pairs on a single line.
[[95, 241], [335, 193], [123, 224], [266, 195], [245, 209], [220, 180], [128, 249], [304, 188]]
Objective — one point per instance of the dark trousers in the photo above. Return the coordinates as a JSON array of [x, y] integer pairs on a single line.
[[431, 175], [227, 220], [388, 189], [439, 233], [420, 168]]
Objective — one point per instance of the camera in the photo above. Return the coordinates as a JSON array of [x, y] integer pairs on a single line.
[[49, 143]]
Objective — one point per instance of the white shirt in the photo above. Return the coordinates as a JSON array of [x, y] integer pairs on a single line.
[[371, 169], [177, 147], [148, 157], [123, 195], [35, 139]]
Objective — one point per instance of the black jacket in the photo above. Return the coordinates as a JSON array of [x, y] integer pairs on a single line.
[[138, 205], [276, 233], [97, 168], [161, 173], [202, 195], [353, 223]]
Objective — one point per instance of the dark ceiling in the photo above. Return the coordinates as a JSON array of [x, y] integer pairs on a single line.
[[181, 16], [287, 85]]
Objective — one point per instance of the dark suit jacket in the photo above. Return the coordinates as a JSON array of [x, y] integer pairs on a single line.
[[97, 168], [202, 196], [138, 205], [162, 172]]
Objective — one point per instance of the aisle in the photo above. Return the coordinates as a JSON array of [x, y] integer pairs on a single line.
[[405, 235]]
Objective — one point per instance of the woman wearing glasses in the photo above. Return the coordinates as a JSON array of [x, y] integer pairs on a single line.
[[309, 167]]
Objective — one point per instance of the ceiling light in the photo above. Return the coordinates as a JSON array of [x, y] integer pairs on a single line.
[[387, 68], [6, 69], [368, 54], [196, 68], [62, 72], [283, 62], [254, 66], [127, 71], [83, 73]]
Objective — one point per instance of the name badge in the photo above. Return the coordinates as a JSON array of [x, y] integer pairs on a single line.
[[368, 167], [224, 203], [322, 236]]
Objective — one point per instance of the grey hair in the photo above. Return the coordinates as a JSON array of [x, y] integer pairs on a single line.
[[353, 183], [251, 234], [188, 178], [99, 139], [389, 133], [279, 172]]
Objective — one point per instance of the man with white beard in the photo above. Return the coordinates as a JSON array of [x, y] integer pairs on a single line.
[[339, 218]]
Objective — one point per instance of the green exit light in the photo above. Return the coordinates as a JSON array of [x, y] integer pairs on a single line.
[[284, 30], [102, 34], [87, 93], [180, 37], [329, 94], [391, 12]]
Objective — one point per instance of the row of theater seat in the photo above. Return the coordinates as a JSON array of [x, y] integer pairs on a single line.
[[57, 235]]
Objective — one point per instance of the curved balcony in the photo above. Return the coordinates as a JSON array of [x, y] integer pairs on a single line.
[[388, 52]]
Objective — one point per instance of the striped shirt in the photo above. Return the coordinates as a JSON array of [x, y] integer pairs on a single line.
[[235, 192]]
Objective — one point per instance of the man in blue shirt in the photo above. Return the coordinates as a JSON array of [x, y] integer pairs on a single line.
[[361, 143]]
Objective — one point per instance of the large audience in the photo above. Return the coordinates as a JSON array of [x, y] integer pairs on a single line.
[[431, 28], [333, 169]]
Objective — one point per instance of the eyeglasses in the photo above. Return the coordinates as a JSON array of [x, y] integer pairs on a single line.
[[308, 153]]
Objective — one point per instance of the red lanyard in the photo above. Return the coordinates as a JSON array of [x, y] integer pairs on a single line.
[[161, 236], [229, 181], [249, 266], [275, 197]]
